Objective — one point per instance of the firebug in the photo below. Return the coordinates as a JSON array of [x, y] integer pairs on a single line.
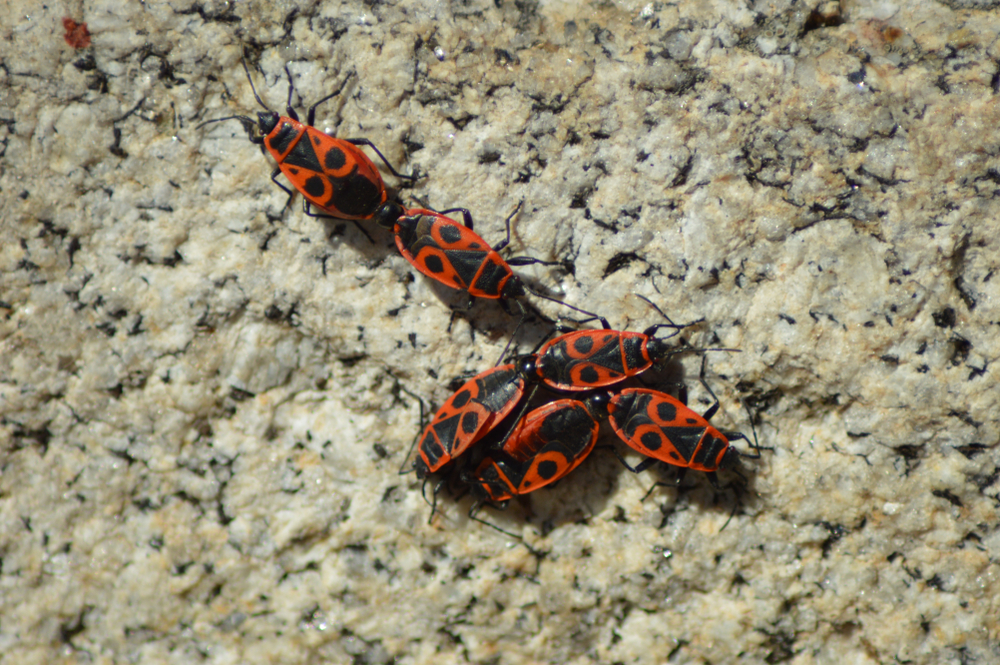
[[589, 359], [331, 173], [548, 443], [665, 429], [470, 413]]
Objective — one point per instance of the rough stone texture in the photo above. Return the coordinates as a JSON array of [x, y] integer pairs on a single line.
[[201, 390]]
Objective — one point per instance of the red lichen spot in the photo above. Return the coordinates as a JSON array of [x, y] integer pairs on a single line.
[[77, 34]]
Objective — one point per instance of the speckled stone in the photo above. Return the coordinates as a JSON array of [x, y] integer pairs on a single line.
[[202, 404]]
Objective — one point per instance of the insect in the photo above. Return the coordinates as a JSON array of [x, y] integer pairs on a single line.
[[455, 255], [544, 446], [589, 359], [469, 414], [663, 428], [332, 174]]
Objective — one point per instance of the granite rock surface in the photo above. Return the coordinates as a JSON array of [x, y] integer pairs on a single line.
[[206, 396]]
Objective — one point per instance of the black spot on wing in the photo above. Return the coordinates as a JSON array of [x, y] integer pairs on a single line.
[[653, 441], [470, 422], [334, 159], [583, 344], [449, 233], [666, 411], [461, 398], [314, 186], [355, 195], [547, 469], [589, 375], [433, 263]]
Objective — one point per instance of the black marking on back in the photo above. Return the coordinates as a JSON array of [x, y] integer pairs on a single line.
[[589, 375], [406, 229], [334, 159], [354, 195], [461, 398], [666, 411], [447, 431], [632, 347], [583, 344], [567, 431], [652, 441], [434, 263], [498, 389], [553, 365], [709, 451], [547, 469], [302, 155], [685, 439], [470, 422], [431, 449], [575, 424], [556, 364], [314, 186], [465, 263], [490, 278], [280, 141], [608, 356], [449, 233]]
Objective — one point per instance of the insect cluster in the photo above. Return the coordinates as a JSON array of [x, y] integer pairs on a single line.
[[522, 425]]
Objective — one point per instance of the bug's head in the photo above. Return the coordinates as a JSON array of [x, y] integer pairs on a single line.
[[526, 364], [420, 466], [514, 288], [597, 403], [387, 214], [730, 459], [266, 122], [660, 348]]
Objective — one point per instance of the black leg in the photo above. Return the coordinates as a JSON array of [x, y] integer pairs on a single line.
[[661, 312], [530, 260], [274, 179], [311, 113], [506, 241], [466, 215], [711, 411], [288, 105], [479, 505], [638, 468], [403, 468], [250, 78], [307, 209], [520, 321], [590, 315], [382, 157]]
